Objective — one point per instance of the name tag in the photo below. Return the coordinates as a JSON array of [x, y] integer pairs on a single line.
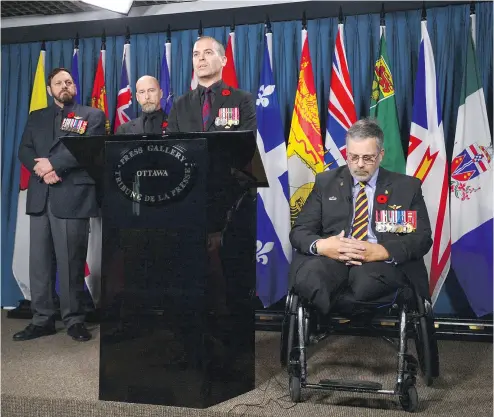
[[396, 221]]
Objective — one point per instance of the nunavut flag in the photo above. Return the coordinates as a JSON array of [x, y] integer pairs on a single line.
[[20, 264], [427, 161], [305, 150]]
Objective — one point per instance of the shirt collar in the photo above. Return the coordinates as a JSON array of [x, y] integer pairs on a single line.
[[214, 87], [153, 114], [372, 181]]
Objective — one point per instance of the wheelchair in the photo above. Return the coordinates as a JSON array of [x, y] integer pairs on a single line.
[[303, 326]]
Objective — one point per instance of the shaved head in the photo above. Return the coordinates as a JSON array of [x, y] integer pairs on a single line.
[[148, 93]]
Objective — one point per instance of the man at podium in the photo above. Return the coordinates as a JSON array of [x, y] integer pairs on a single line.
[[61, 198], [213, 105]]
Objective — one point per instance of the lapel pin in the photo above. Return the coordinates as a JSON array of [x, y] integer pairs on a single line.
[[386, 192]]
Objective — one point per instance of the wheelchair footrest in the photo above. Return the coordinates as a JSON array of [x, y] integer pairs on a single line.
[[348, 384]]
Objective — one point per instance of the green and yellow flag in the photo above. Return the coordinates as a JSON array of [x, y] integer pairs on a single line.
[[383, 108]]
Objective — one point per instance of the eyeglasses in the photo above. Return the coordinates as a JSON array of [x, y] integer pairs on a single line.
[[368, 159]]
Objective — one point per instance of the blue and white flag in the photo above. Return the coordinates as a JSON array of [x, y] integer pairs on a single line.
[[75, 74], [273, 210], [472, 188], [165, 79]]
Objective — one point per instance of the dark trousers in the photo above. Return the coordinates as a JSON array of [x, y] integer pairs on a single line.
[[320, 279], [57, 244]]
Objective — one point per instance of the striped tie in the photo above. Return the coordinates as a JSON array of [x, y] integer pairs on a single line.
[[206, 109], [361, 221]]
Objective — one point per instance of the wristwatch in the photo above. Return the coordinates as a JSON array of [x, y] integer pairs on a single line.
[[314, 248]]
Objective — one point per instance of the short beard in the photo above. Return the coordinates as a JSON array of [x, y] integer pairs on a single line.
[[149, 107], [65, 99]]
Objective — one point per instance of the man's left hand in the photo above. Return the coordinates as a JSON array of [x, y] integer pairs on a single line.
[[362, 251], [42, 167]]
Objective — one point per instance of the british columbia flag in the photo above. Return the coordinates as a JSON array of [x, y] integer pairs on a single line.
[[341, 107]]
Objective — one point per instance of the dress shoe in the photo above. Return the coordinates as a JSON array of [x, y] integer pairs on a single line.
[[33, 332], [78, 332]]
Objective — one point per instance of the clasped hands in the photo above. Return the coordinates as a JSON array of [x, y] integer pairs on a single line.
[[44, 169], [351, 251]]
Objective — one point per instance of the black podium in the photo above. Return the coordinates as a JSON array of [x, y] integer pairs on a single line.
[[178, 264]]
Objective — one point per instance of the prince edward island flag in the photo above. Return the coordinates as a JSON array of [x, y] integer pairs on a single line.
[[273, 210]]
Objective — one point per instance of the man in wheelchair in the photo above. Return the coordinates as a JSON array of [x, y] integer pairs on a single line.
[[361, 237], [362, 229]]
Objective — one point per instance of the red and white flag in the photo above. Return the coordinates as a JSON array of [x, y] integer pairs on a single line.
[[229, 73], [427, 161]]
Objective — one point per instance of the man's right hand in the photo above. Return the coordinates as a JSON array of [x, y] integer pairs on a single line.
[[333, 248], [51, 178]]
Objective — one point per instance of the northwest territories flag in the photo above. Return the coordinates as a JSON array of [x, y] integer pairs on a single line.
[[273, 210], [471, 192]]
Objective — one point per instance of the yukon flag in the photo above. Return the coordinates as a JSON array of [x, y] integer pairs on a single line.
[[383, 108], [341, 107], [229, 73], [305, 151], [274, 251], [427, 161], [20, 262], [124, 112], [471, 192]]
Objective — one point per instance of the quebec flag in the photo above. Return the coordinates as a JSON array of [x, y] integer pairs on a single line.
[[273, 253]]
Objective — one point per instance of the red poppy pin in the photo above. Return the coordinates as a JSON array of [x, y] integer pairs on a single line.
[[164, 124], [382, 199], [71, 115], [225, 92]]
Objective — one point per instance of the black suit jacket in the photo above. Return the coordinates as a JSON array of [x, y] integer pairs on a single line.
[[186, 113], [75, 195], [322, 217], [186, 116], [136, 126]]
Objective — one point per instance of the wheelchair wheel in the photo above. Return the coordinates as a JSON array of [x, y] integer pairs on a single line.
[[422, 346], [295, 388], [285, 326], [409, 398]]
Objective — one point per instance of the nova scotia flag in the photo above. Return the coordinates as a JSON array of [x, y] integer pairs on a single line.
[[273, 210]]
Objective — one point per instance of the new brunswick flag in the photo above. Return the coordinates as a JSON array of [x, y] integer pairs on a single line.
[[305, 150]]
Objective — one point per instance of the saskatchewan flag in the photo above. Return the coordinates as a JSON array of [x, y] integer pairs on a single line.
[[383, 108]]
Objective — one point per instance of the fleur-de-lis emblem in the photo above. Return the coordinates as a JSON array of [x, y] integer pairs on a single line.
[[262, 251], [262, 95]]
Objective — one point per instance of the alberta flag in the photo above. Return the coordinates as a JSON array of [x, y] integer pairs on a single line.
[[165, 83], [273, 210], [471, 192]]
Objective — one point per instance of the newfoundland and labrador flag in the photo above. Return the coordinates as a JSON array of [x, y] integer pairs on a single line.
[[427, 161], [273, 210], [471, 192]]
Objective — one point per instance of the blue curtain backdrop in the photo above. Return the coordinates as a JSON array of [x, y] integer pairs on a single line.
[[448, 29]]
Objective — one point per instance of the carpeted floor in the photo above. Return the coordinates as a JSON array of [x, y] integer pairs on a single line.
[[54, 376]]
